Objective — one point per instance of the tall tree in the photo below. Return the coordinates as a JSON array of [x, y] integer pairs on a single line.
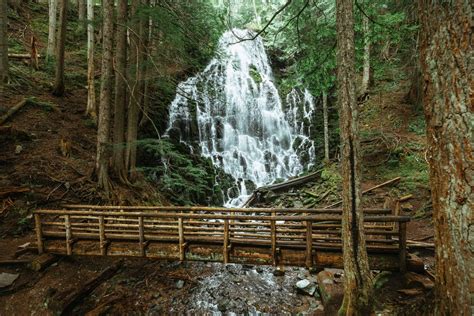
[[91, 103], [120, 90], [326, 126], [136, 59], [53, 13], [358, 281], [448, 73], [103, 132], [366, 67], [3, 43], [58, 89], [81, 13]]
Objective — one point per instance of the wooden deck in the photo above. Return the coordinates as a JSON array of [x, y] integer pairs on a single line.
[[296, 237]]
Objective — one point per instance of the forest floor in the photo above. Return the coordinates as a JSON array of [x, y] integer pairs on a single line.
[[35, 174]]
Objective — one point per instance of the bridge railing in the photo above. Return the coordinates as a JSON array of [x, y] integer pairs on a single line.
[[309, 230]]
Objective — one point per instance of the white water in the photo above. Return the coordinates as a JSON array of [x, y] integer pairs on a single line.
[[241, 124]]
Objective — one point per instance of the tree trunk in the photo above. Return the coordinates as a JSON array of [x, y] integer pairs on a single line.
[[103, 131], [120, 91], [326, 127], [358, 281], [148, 37], [53, 10], [3, 43], [91, 103], [58, 89], [81, 13], [136, 58], [447, 67], [366, 70]]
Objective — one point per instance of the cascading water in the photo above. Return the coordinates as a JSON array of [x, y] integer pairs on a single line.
[[233, 112]]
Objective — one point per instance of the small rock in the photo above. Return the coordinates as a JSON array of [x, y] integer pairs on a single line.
[[7, 279], [18, 149], [179, 284], [279, 271], [306, 287]]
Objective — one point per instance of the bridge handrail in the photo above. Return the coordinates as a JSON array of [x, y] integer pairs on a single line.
[[221, 209], [367, 218]]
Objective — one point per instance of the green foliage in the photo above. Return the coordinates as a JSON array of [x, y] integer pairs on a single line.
[[185, 178]]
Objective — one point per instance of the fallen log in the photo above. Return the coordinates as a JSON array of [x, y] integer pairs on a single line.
[[22, 56], [281, 186], [369, 190], [63, 303], [13, 190], [43, 261], [13, 110], [14, 261]]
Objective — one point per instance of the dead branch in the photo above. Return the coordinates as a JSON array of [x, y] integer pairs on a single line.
[[13, 110], [370, 189]]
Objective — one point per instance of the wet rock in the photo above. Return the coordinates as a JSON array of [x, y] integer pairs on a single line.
[[331, 292], [306, 287], [7, 279], [381, 279], [279, 271], [179, 284], [259, 269]]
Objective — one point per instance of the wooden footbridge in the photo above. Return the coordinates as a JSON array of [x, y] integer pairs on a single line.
[[297, 237]]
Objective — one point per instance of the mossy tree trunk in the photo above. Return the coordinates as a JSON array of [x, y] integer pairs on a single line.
[[103, 132], [120, 91], [447, 68], [136, 94], [3, 43], [358, 281], [58, 89], [53, 10], [91, 102]]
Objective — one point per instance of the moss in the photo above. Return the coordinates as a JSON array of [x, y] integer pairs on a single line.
[[255, 75]]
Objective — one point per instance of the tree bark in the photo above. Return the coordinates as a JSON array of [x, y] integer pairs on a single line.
[[81, 13], [136, 58], [53, 10], [358, 281], [3, 43], [120, 91], [447, 67], [326, 126], [366, 69], [58, 89], [103, 132], [91, 102]]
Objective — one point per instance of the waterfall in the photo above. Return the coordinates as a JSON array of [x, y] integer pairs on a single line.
[[233, 113]]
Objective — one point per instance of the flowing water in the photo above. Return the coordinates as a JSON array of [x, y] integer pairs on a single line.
[[233, 113]]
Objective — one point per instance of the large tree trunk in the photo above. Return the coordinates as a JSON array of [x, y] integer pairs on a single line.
[[91, 103], [3, 43], [81, 13], [58, 89], [326, 126], [53, 10], [447, 67], [103, 132], [358, 281], [120, 91], [136, 58], [366, 69]]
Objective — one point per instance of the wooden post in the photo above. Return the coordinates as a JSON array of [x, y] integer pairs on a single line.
[[402, 237], [309, 244], [141, 234], [274, 240], [226, 241], [181, 239], [102, 242], [67, 224], [39, 233]]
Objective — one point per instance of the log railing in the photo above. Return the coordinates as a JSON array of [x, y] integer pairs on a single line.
[[264, 235]]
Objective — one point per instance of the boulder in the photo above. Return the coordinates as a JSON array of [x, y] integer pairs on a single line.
[[7, 279], [306, 287], [331, 292]]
